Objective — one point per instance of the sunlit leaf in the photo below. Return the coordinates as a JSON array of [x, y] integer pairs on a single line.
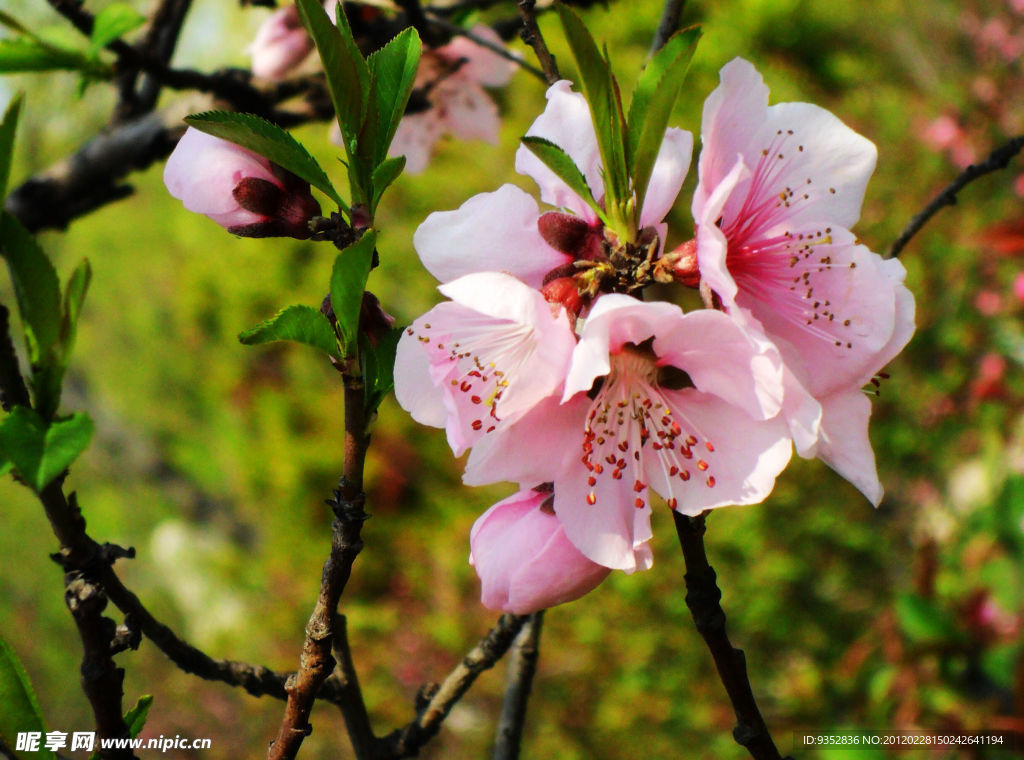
[[111, 22], [135, 718], [7, 129], [348, 281], [649, 111], [40, 451], [561, 163], [392, 75], [379, 366], [19, 710], [386, 172], [36, 286], [300, 324]]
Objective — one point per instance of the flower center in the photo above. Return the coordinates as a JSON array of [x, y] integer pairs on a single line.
[[632, 419]]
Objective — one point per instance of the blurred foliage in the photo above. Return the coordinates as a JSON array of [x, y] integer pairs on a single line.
[[214, 458]]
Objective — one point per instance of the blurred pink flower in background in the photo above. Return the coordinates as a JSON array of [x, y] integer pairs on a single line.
[[281, 44], [523, 558], [946, 135], [238, 189], [454, 76]]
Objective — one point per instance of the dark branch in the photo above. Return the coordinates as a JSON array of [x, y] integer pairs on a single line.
[[998, 159], [531, 36], [353, 707], [522, 665], [703, 598], [668, 25], [316, 662], [456, 30], [437, 701]]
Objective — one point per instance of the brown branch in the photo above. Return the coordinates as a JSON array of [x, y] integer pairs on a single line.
[[316, 662], [437, 701], [998, 159], [531, 36], [668, 25], [703, 598], [522, 665]]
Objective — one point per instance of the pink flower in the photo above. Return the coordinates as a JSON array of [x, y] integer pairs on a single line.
[[685, 405], [779, 188], [482, 359], [281, 44], [505, 230], [238, 189], [523, 558], [457, 103]]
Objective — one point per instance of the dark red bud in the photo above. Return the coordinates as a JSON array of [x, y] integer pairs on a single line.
[[563, 232], [680, 265], [360, 215], [564, 291], [373, 320], [259, 196]]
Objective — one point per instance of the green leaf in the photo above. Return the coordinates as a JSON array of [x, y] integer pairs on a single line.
[[301, 324], [386, 172], [348, 81], [74, 296], [36, 287], [348, 281], [135, 718], [379, 366], [270, 141], [392, 75], [649, 111], [111, 22], [19, 710], [561, 163], [40, 451], [923, 621], [602, 94], [7, 129], [27, 54]]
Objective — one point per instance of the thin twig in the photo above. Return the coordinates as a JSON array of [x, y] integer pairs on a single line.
[[353, 707], [531, 36], [522, 665], [161, 40], [703, 598], [997, 159], [437, 701], [668, 25], [495, 48]]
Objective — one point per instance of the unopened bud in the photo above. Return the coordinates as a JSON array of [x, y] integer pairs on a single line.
[[565, 292], [679, 265], [374, 322]]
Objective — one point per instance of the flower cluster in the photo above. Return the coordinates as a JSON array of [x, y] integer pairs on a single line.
[[545, 364]]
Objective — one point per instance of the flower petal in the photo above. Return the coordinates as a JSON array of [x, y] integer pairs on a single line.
[[490, 232], [481, 65], [524, 560], [566, 122], [844, 444], [667, 177]]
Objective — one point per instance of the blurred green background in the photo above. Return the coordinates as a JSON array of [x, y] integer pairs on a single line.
[[213, 459]]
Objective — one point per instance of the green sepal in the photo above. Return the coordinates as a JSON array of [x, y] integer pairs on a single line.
[[299, 324], [41, 451], [268, 140], [602, 94], [561, 163], [20, 710], [8, 127], [653, 99], [348, 281], [379, 366], [111, 22]]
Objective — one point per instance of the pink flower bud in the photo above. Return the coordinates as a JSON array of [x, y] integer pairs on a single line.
[[281, 44], [238, 189], [524, 560]]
